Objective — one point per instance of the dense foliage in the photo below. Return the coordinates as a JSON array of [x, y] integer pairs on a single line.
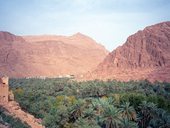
[[64, 103], [10, 121]]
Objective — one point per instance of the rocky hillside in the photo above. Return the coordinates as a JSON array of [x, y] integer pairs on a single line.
[[145, 55], [48, 55], [16, 117]]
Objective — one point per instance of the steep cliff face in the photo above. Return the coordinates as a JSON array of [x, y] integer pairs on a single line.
[[48, 55], [143, 54]]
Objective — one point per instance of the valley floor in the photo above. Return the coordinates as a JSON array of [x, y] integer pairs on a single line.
[[64, 103]]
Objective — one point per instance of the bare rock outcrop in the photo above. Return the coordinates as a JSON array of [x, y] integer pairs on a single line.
[[48, 55], [14, 110], [145, 55]]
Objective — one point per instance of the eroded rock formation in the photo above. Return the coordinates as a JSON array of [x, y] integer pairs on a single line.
[[48, 55], [145, 55]]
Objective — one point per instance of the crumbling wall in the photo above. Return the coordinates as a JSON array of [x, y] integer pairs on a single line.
[[4, 90]]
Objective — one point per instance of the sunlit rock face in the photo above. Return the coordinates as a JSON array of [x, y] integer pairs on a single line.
[[145, 55], [48, 55]]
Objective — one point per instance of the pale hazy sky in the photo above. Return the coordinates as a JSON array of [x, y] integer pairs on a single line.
[[109, 22]]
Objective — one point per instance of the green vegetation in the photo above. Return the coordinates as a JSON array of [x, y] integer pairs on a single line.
[[63, 103], [9, 121]]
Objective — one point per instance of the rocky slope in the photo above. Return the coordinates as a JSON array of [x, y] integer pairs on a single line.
[[48, 55], [145, 55], [13, 109]]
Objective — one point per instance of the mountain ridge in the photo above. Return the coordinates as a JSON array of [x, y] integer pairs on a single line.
[[145, 52], [37, 56]]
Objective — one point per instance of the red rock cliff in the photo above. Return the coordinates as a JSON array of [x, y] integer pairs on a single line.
[[143, 56]]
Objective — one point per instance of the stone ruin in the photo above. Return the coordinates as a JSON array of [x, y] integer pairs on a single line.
[[13, 108], [4, 90]]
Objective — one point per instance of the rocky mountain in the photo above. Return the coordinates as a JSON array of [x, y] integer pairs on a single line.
[[145, 55], [48, 55]]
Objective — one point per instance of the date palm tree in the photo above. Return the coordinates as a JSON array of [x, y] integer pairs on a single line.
[[147, 112], [125, 123], [128, 111], [76, 111], [163, 119], [86, 123], [111, 117]]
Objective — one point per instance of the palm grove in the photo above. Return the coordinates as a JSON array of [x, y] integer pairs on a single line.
[[64, 103]]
